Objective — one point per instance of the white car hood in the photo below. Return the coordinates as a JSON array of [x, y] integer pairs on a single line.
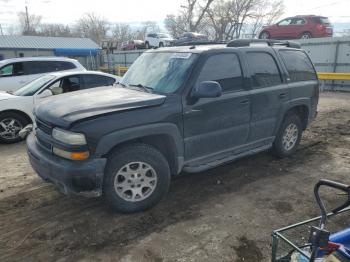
[[6, 96]]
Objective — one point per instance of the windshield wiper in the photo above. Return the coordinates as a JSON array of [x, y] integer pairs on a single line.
[[145, 88], [119, 83]]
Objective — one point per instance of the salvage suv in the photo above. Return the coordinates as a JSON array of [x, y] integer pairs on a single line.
[[188, 108]]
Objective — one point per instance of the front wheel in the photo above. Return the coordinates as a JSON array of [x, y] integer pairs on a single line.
[[136, 178], [288, 137], [147, 46], [10, 125]]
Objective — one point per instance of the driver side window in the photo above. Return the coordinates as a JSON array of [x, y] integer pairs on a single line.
[[285, 22], [6, 70], [65, 85]]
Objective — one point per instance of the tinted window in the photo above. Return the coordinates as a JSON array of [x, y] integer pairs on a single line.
[[70, 84], [225, 69], [298, 65], [38, 67], [65, 65], [321, 20], [97, 80], [15, 69], [264, 70]]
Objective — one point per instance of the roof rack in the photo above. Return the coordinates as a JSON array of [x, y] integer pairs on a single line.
[[269, 42]]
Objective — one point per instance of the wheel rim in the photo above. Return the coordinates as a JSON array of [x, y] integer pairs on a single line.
[[264, 35], [9, 128], [135, 181], [290, 136], [305, 36]]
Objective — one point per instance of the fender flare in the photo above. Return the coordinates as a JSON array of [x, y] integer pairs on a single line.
[[293, 103], [109, 141]]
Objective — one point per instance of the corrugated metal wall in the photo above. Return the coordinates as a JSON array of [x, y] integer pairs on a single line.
[[330, 55]]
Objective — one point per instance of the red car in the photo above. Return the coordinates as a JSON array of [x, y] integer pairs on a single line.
[[304, 27], [132, 45]]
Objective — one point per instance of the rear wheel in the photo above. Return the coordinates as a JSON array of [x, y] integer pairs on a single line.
[[147, 45], [136, 178], [161, 44], [305, 35], [264, 35], [289, 136], [10, 125]]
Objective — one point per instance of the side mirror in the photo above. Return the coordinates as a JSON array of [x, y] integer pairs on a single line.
[[45, 93], [207, 89]]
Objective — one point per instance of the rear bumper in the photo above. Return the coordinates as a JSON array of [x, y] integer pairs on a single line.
[[71, 177]]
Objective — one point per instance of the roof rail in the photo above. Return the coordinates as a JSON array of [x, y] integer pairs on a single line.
[[269, 42], [203, 42]]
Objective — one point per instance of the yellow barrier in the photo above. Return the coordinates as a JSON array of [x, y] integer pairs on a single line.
[[333, 76]]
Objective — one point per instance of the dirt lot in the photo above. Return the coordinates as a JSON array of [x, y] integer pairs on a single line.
[[226, 214]]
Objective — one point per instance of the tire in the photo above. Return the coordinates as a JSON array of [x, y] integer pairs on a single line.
[[264, 35], [119, 187], [147, 45], [161, 44], [286, 144], [10, 125], [305, 35]]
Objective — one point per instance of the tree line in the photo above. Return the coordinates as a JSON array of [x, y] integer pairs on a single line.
[[219, 19]]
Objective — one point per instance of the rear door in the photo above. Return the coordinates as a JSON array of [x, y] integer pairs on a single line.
[[215, 125], [297, 27], [269, 94]]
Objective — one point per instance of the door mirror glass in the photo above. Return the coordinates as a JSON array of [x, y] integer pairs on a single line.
[[207, 89], [45, 93]]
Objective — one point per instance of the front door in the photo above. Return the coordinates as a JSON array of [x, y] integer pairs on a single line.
[[216, 125]]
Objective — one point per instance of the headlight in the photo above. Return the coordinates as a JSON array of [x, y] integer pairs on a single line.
[[68, 137]]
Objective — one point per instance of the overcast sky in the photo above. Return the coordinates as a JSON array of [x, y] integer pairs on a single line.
[[68, 11]]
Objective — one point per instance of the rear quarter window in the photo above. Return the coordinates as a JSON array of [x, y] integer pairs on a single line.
[[298, 65]]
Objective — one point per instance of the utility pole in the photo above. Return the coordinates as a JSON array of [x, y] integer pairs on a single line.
[[27, 19]]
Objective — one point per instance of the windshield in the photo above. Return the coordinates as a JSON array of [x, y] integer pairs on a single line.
[[31, 88], [161, 72]]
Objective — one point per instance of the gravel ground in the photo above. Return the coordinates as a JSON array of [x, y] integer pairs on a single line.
[[225, 214]]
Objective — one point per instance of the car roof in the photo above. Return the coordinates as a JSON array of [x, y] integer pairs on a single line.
[[69, 73], [37, 58]]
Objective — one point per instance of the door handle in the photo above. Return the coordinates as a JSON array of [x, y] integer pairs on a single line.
[[244, 102], [283, 95], [193, 112]]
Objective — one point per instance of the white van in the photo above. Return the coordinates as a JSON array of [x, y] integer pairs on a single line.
[[16, 72]]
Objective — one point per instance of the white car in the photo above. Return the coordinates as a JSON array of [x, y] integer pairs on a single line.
[[16, 110], [16, 72], [158, 40]]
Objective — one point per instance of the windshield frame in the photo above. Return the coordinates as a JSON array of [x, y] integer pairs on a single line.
[[43, 86], [180, 87]]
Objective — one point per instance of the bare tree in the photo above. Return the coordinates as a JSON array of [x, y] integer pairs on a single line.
[[191, 17], [266, 13], [54, 30], [28, 23], [123, 32], [92, 26]]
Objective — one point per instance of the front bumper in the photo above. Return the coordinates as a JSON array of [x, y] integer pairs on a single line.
[[71, 177]]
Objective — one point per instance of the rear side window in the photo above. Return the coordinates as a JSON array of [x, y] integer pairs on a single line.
[[38, 67], [224, 69], [62, 65], [264, 70], [91, 81], [298, 65], [321, 20]]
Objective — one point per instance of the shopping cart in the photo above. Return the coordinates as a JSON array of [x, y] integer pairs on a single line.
[[309, 241]]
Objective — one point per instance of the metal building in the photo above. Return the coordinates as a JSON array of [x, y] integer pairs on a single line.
[[83, 49]]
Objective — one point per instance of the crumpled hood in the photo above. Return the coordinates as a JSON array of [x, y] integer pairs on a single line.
[[65, 109], [6, 96]]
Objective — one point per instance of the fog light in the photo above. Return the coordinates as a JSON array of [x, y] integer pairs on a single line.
[[71, 155]]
